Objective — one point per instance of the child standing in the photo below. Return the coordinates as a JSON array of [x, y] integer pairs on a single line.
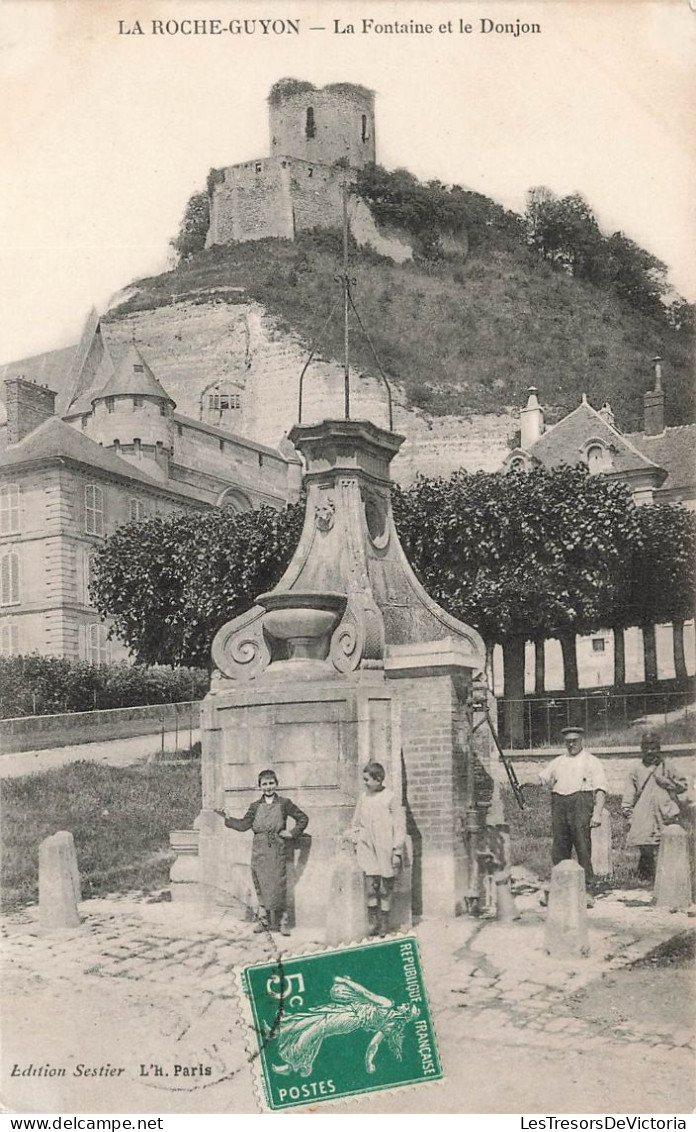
[[267, 817], [378, 835]]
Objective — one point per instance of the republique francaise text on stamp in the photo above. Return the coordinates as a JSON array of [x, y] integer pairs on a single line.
[[339, 1023]]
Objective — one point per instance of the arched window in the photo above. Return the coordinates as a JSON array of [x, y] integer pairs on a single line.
[[9, 637], [234, 500], [97, 644], [310, 124], [9, 509], [517, 465], [94, 509], [9, 578]]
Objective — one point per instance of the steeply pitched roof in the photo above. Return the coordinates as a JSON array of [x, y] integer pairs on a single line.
[[133, 376], [55, 438], [675, 450], [563, 442]]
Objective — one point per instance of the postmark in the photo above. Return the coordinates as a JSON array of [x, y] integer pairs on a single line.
[[339, 1023]]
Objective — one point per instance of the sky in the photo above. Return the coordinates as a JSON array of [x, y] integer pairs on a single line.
[[104, 135]]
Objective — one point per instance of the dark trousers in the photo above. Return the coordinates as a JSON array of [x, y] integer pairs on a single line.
[[647, 862], [570, 820]]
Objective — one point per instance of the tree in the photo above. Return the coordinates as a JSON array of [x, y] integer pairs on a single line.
[[526, 556], [636, 275], [565, 231], [663, 580], [169, 584], [194, 226]]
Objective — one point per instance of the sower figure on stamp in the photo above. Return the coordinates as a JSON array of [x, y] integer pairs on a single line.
[[578, 792], [268, 817], [650, 801], [379, 835]]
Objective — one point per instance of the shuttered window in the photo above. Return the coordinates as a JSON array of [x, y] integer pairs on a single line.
[[9, 509], [9, 578]]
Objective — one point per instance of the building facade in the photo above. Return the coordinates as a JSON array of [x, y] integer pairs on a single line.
[[118, 454], [659, 465]]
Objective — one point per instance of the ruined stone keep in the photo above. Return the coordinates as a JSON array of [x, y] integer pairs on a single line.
[[316, 135]]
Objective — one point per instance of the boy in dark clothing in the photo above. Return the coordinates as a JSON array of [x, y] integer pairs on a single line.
[[268, 817]]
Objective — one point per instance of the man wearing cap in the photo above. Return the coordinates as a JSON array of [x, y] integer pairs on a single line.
[[650, 800], [578, 791]]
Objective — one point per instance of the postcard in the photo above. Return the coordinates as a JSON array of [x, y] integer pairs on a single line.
[[313, 851]]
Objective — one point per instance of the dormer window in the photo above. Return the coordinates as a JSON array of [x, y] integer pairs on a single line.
[[310, 124], [597, 455], [518, 464], [138, 369]]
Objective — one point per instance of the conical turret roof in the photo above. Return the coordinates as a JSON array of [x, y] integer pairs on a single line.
[[133, 377]]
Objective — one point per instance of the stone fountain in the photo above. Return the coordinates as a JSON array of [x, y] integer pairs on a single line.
[[348, 659]]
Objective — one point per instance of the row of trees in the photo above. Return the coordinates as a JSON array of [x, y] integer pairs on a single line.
[[524, 557]]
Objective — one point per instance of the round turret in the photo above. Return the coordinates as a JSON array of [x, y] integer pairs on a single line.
[[323, 125], [132, 412]]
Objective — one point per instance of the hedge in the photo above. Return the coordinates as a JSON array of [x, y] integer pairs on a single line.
[[46, 685]]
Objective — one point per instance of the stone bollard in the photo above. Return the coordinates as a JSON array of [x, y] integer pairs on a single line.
[[59, 882], [565, 935], [673, 872], [346, 917]]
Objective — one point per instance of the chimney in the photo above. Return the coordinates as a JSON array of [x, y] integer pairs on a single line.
[[531, 421], [607, 414], [654, 405], [28, 405]]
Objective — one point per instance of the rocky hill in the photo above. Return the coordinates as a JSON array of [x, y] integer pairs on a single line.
[[460, 336]]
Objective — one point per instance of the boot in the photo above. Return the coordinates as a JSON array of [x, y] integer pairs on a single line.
[[284, 925], [382, 923], [373, 919]]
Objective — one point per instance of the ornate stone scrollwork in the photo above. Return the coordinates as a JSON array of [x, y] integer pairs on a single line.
[[239, 649], [359, 637]]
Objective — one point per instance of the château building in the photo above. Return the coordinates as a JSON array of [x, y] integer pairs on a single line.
[[106, 447]]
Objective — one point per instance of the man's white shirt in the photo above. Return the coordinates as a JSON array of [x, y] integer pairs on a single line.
[[568, 774]]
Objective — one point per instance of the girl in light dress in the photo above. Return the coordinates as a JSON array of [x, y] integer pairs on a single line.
[[378, 834]]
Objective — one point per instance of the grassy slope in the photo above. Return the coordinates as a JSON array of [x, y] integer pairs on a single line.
[[120, 819], [461, 336]]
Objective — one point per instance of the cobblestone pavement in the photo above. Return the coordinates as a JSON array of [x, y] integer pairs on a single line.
[[147, 987]]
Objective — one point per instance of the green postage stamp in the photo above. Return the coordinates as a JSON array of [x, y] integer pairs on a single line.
[[339, 1023]]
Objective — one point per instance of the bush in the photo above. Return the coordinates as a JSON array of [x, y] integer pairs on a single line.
[[48, 685]]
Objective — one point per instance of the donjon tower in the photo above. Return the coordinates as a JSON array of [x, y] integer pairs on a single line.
[[317, 136]]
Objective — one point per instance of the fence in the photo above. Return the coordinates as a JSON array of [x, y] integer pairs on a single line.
[[609, 718], [177, 726]]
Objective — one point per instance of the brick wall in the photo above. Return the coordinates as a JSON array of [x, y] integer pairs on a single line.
[[435, 779]]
